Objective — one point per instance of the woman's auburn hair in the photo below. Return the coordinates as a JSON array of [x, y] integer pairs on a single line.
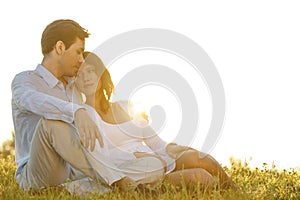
[[105, 89]]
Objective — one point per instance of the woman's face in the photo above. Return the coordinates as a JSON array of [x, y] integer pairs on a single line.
[[87, 79]]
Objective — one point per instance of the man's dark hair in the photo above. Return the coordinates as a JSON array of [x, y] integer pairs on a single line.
[[64, 30]]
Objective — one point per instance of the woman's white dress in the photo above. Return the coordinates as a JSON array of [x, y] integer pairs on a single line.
[[122, 140]]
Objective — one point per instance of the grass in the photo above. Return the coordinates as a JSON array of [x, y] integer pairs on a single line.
[[266, 182]]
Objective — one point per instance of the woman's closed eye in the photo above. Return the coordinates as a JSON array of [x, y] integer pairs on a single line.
[[79, 75]]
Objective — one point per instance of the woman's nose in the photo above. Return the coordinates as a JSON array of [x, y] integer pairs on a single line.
[[85, 77]]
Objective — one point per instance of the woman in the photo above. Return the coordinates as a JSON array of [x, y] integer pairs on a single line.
[[129, 138]]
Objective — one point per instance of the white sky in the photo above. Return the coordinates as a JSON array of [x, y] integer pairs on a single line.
[[255, 46]]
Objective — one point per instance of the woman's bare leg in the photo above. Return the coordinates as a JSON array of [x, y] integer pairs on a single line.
[[190, 177], [192, 158]]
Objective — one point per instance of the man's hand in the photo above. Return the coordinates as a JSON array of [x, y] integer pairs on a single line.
[[88, 130]]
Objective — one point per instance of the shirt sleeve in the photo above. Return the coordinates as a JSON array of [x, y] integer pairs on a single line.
[[27, 97]]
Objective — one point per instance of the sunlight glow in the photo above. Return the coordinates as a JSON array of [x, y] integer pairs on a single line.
[[158, 98]]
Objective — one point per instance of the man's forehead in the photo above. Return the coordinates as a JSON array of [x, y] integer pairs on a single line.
[[79, 43]]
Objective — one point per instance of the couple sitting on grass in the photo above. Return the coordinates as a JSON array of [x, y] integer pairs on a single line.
[[95, 145]]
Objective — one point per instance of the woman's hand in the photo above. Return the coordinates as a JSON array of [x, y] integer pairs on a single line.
[[175, 151]]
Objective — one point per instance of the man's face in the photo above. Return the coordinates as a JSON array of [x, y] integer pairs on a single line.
[[72, 58]]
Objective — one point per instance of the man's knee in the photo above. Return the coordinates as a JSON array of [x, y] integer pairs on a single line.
[[52, 124], [56, 129]]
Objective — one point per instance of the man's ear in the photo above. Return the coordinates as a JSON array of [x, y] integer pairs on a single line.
[[60, 47]]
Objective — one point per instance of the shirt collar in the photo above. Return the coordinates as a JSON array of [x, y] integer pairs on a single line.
[[51, 80]]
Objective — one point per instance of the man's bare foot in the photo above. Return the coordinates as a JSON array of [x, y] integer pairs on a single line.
[[125, 184]]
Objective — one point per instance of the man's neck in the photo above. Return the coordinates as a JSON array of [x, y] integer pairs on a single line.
[[53, 67]]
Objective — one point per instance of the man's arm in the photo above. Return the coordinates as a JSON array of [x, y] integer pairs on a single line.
[[27, 97]]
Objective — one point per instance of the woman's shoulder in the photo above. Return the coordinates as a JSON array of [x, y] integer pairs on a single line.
[[139, 118], [123, 105]]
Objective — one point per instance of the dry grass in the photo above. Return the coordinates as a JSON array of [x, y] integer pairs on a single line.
[[259, 183]]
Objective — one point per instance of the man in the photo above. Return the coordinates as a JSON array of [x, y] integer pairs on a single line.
[[52, 131]]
